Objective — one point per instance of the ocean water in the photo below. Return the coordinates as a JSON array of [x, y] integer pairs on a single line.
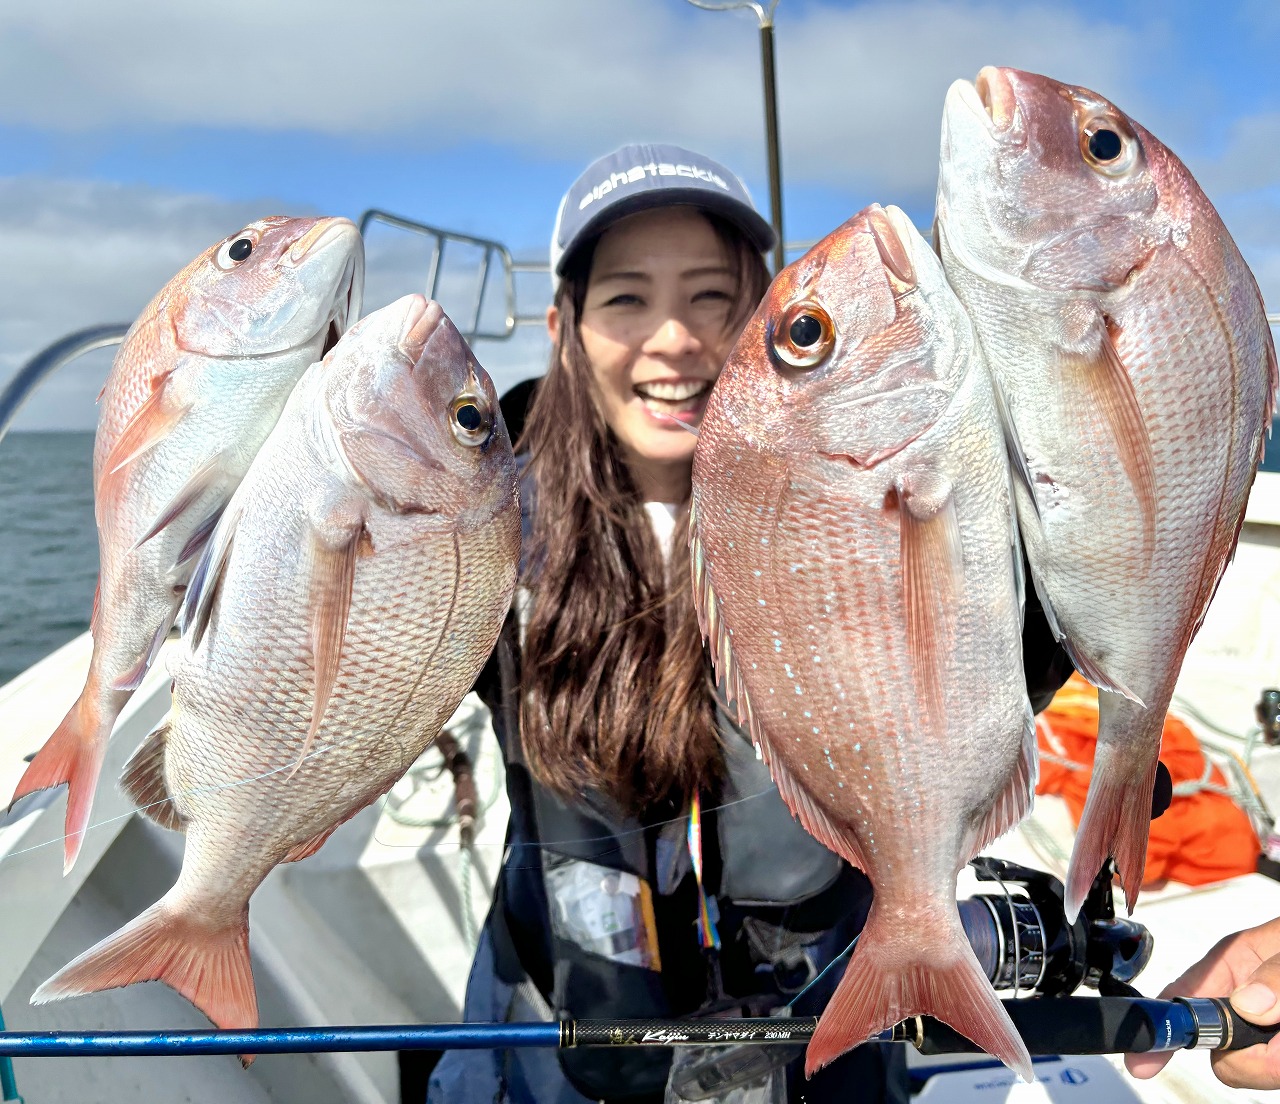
[[48, 544]]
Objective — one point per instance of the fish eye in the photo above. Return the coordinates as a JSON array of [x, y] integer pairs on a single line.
[[237, 250], [804, 337], [471, 419], [1107, 146]]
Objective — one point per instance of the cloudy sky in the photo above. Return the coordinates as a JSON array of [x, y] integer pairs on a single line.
[[133, 134]]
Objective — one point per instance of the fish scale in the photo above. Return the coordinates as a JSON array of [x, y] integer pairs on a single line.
[[367, 459], [1050, 251], [806, 546]]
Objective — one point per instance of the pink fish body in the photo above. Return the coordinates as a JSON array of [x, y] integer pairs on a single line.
[[197, 385], [344, 606], [1129, 343], [857, 567]]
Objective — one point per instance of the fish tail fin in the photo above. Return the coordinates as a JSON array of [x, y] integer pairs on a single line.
[[73, 754], [207, 963], [1115, 824], [882, 986]]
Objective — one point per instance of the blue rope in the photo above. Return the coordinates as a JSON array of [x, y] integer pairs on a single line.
[[8, 1083]]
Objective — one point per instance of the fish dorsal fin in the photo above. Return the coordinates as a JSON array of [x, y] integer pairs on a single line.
[[1098, 376], [142, 779], [812, 818], [331, 566], [932, 579], [1015, 799]]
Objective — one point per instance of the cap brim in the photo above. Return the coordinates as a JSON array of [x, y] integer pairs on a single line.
[[745, 218]]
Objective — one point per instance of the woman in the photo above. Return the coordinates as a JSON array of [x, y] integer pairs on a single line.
[[652, 870]]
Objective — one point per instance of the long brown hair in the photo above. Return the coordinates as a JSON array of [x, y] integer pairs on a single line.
[[616, 695]]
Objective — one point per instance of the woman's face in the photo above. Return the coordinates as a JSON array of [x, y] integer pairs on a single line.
[[655, 327]]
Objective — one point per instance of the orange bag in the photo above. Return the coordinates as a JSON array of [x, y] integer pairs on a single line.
[[1202, 837]]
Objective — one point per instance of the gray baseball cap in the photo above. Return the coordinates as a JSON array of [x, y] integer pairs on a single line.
[[639, 177]]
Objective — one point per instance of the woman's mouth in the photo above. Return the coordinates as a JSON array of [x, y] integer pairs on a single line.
[[672, 398]]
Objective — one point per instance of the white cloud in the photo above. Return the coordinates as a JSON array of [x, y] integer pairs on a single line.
[[861, 87]]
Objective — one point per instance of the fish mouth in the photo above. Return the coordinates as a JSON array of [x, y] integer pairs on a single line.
[[346, 306], [991, 100], [421, 320], [892, 231], [673, 397]]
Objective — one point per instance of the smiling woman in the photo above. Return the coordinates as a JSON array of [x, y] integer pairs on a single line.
[[652, 869], [656, 327]]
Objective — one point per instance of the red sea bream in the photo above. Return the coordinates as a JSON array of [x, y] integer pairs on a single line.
[[197, 385], [858, 574], [344, 605], [1129, 343]]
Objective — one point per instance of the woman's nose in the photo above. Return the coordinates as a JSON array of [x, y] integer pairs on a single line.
[[673, 338]]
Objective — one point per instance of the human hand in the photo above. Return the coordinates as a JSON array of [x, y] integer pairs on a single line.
[[1247, 966]]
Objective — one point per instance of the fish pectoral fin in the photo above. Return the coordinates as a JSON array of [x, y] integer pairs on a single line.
[[1014, 801], [932, 578], [208, 477], [1099, 375], [331, 560], [143, 782], [151, 423]]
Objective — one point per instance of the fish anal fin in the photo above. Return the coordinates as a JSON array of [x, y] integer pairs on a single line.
[[151, 423], [1103, 385], [812, 818], [97, 606], [132, 678], [1089, 668], [332, 569], [206, 579], [932, 578], [143, 782], [207, 963], [1116, 823], [1015, 799], [208, 477], [885, 983], [307, 848], [73, 754]]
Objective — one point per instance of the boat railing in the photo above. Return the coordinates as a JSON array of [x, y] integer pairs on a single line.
[[468, 313]]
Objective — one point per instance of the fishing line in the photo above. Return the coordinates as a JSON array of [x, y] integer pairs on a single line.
[[841, 957], [222, 786]]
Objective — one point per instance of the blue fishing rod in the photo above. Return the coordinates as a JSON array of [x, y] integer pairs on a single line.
[[1048, 1025]]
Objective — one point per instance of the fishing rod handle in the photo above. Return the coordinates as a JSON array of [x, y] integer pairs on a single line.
[[1221, 1027], [1104, 1025]]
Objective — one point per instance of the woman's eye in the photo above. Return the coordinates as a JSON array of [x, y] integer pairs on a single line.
[[625, 300]]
